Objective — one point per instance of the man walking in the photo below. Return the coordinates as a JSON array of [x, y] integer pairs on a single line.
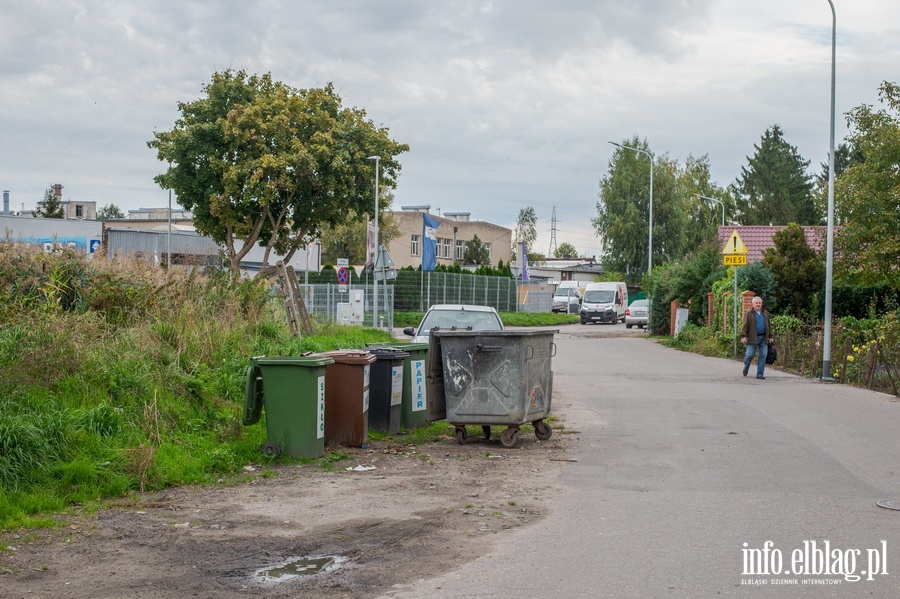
[[756, 334]]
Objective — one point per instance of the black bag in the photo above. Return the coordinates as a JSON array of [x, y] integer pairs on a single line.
[[772, 354]]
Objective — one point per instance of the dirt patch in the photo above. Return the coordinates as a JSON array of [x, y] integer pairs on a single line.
[[422, 511]]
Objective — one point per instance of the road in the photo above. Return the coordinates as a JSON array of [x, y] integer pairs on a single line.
[[685, 470]]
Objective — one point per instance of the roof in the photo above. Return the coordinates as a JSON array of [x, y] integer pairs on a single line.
[[757, 239]]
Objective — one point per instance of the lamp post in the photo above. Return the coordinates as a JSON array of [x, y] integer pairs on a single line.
[[377, 160], [829, 244], [650, 233], [718, 202]]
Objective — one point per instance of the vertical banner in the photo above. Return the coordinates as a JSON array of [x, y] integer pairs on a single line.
[[429, 242], [524, 261], [370, 244]]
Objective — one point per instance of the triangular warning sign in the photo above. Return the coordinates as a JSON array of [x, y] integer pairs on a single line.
[[734, 245]]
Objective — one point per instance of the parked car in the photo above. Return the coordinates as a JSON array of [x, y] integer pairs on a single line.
[[455, 317], [638, 313], [567, 297]]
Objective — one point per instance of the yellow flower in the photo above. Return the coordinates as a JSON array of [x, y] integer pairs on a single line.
[[850, 358], [856, 349]]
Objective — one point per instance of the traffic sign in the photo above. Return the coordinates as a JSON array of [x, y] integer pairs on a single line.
[[734, 259], [343, 275], [734, 245]]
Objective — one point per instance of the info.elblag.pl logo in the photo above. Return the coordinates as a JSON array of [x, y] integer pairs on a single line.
[[815, 562]]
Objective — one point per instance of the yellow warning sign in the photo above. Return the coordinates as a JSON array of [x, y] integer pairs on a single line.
[[734, 245], [734, 260]]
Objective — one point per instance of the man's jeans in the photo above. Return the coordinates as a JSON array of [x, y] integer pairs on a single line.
[[763, 348]]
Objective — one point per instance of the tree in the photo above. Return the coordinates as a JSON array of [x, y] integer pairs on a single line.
[[868, 193], [348, 239], [525, 229], [261, 163], [109, 212], [50, 206], [565, 250], [798, 269], [774, 188], [476, 253], [623, 211]]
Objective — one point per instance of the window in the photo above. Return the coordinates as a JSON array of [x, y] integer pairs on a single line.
[[460, 249], [487, 247], [447, 244], [415, 245], [79, 211]]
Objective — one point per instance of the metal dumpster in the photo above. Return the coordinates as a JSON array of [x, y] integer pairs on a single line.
[[491, 378]]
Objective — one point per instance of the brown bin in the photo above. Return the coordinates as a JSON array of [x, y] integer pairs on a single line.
[[347, 397]]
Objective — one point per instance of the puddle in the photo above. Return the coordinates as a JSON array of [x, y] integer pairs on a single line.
[[295, 567]]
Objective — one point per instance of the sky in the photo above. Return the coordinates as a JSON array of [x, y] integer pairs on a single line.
[[505, 104]]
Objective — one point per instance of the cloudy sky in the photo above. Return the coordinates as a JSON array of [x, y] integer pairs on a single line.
[[504, 103]]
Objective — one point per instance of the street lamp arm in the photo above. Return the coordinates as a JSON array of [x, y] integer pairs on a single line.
[[717, 201]]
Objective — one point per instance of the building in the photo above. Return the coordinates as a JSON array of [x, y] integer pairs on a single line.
[[455, 230], [759, 238]]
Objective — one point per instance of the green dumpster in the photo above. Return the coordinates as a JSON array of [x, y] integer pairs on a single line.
[[291, 390], [414, 405]]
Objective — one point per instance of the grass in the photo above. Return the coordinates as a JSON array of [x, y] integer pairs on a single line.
[[118, 377]]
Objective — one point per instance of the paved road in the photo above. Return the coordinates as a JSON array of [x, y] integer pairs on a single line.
[[681, 462]]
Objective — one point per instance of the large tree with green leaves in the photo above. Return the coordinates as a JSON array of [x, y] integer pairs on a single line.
[[261, 163], [622, 219], [565, 250], [867, 195], [110, 212], [50, 206], [798, 269], [774, 188], [526, 229]]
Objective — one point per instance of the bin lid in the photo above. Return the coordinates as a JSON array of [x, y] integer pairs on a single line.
[[253, 396], [402, 346], [349, 356], [312, 361], [388, 353]]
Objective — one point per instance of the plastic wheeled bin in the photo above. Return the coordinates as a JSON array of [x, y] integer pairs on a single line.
[[386, 392], [347, 397], [491, 378], [292, 392], [414, 406]]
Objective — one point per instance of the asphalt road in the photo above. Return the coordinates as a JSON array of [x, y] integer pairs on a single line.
[[685, 470]]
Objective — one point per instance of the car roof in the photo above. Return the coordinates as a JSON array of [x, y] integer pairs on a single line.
[[458, 307]]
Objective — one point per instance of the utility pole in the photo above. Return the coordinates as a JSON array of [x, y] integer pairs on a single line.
[[552, 234]]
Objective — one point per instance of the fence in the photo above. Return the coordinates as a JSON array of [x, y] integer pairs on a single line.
[[874, 365], [416, 291]]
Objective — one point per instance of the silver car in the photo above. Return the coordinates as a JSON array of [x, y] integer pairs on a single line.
[[455, 317], [638, 313]]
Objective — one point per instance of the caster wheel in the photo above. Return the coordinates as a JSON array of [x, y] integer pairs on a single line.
[[542, 430], [487, 432], [270, 450], [461, 435], [509, 438]]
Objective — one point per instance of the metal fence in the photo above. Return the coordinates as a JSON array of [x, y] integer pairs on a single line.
[[416, 291]]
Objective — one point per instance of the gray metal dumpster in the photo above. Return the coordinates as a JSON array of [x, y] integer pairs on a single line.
[[491, 378]]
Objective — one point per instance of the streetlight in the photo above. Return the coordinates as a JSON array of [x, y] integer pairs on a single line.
[[829, 244], [375, 278], [650, 234], [714, 200]]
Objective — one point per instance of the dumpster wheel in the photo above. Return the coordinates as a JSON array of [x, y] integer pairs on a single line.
[[270, 450], [461, 434], [509, 437], [542, 430]]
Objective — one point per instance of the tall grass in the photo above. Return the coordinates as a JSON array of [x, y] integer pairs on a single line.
[[120, 376]]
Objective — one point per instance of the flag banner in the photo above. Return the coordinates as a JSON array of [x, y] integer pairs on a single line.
[[370, 244], [524, 253], [429, 242]]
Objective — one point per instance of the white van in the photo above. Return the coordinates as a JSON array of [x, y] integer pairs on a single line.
[[604, 302], [567, 297]]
